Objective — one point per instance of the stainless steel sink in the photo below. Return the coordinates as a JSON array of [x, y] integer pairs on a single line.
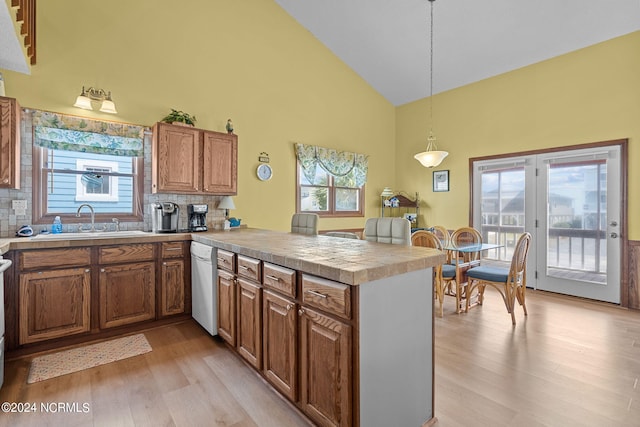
[[91, 235]]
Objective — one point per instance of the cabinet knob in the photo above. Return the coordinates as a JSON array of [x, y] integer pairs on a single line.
[[164, 263], [102, 270], [87, 270], [301, 311], [289, 307]]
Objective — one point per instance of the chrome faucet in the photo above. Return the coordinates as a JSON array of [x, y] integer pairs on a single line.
[[93, 216]]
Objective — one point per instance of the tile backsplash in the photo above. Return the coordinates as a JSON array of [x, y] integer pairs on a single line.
[[10, 223]]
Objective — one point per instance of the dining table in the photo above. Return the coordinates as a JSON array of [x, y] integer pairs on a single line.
[[466, 256]]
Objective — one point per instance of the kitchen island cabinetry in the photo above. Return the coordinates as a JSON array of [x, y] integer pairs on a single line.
[[226, 289], [193, 161], [280, 329], [9, 143], [348, 336], [250, 310]]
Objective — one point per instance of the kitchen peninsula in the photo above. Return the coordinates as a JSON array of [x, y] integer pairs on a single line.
[[343, 328]]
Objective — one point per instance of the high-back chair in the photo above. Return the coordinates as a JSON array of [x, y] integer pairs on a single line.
[[443, 234], [510, 282], [396, 231], [304, 223], [430, 240], [460, 261]]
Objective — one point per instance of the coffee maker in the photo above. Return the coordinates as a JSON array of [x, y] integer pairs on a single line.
[[197, 217], [164, 217]]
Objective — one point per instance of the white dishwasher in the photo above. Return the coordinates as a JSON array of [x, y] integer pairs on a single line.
[[4, 265], [204, 295]]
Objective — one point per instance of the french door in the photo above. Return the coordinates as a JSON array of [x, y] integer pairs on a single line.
[[570, 202]]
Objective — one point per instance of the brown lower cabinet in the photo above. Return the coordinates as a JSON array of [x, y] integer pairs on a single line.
[[302, 327], [54, 304], [66, 292], [226, 287], [127, 294], [325, 368], [280, 329]]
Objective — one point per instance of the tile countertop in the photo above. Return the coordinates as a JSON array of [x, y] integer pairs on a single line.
[[348, 261], [23, 243]]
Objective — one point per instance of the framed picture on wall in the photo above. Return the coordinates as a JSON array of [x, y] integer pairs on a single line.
[[441, 180]]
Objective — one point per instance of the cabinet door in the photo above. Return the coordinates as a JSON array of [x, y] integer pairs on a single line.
[[220, 167], [176, 164], [54, 304], [325, 369], [227, 306], [250, 322], [172, 288], [9, 143], [280, 337], [127, 294]]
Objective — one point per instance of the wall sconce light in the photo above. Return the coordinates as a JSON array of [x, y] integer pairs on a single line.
[[92, 94]]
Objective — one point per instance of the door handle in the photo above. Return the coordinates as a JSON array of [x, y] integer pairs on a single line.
[[613, 235], [613, 223]]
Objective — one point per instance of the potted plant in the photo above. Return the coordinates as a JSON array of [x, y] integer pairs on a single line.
[[180, 118]]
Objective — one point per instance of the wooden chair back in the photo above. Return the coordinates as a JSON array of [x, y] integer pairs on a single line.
[[426, 239], [465, 236]]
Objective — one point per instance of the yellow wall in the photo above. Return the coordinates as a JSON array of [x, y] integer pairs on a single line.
[[589, 95], [216, 59], [250, 61]]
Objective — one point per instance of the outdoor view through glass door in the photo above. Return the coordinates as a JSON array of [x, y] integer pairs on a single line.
[[570, 202]]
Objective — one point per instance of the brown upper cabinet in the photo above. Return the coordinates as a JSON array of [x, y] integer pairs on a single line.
[[193, 161], [9, 143]]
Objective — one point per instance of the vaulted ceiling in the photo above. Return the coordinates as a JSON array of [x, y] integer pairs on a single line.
[[387, 41]]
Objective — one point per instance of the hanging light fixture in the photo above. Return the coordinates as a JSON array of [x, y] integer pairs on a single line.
[[92, 94], [432, 157]]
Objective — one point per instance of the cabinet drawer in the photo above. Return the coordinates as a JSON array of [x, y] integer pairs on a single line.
[[279, 278], [250, 268], [172, 250], [126, 253], [226, 260], [73, 257], [328, 295]]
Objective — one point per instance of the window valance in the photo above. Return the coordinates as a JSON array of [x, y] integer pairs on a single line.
[[73, 133], [337, 163]]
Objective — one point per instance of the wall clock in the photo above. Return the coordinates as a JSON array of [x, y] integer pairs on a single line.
[[264, 172]]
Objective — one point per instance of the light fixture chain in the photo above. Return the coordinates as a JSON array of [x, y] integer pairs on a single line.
[[431, 138]]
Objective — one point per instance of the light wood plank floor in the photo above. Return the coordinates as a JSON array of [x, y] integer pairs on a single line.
[[569, 363]]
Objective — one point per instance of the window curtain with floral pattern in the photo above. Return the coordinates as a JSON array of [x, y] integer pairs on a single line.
[[337, 163], [72, 133]]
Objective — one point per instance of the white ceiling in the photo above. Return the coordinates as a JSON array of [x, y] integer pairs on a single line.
[[387, 41]]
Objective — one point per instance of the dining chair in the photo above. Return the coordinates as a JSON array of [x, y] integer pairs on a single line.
[[304, 223], [396, 231], [510, 282], [461, 261], [343, 234], [428, 239], [443, 234]]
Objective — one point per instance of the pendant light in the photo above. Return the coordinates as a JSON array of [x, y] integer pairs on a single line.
[[431, 157]]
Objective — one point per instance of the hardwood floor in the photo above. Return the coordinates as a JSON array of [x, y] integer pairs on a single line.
[[571, 362]]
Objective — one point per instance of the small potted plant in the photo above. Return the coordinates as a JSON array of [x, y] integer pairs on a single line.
[[180, 118]]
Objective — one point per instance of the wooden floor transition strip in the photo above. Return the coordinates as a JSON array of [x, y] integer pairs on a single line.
[[77, 359]]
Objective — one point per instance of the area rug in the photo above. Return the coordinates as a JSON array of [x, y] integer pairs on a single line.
[[77, 359]]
